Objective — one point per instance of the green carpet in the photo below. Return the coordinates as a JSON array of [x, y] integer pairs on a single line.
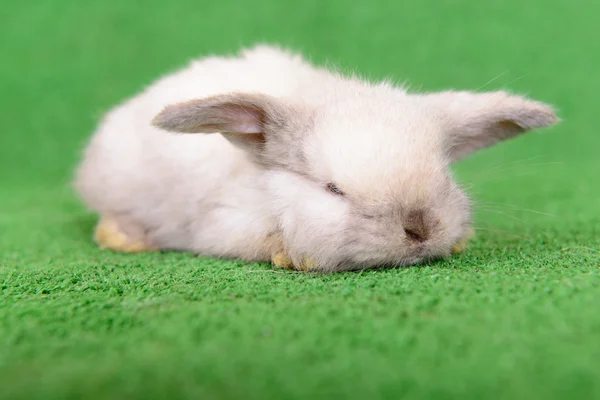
[[515, 316]]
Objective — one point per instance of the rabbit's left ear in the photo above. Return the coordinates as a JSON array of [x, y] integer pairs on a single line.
[[248, 120], [235, 113], [475, 121]]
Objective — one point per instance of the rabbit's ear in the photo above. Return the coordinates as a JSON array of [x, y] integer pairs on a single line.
[[241, 113], [246, 119], [475, 121]]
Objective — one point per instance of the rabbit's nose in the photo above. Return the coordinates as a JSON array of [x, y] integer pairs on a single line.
[[417, 226], [417, 236]]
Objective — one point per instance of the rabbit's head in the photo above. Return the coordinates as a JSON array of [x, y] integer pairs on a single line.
[[361, 177]]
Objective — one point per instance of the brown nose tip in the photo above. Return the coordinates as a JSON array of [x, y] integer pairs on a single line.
[[414, 235], [416, 226]]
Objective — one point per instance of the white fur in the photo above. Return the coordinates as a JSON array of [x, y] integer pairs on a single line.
[[389, 151]]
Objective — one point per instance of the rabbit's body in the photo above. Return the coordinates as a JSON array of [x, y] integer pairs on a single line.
[[195, 193], [240, 194]]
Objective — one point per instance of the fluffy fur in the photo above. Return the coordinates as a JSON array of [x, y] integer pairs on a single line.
[[283, 158]]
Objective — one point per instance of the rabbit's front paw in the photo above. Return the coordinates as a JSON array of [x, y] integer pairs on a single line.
[[463, 243], [279, 257], [282, 260]]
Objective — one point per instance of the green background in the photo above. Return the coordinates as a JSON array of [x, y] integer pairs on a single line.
[[515, 316]]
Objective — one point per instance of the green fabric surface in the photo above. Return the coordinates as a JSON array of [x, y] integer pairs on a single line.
[[515, 316]]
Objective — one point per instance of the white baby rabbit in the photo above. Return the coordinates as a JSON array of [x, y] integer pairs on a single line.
[[278, 160]]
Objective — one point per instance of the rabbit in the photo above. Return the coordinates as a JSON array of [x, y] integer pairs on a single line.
[[264, 157]]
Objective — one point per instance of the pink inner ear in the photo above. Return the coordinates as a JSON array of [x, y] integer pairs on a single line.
[[245, 119], [509, 126]]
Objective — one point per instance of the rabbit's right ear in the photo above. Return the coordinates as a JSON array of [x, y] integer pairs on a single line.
[[474, 121], [246, 119]]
